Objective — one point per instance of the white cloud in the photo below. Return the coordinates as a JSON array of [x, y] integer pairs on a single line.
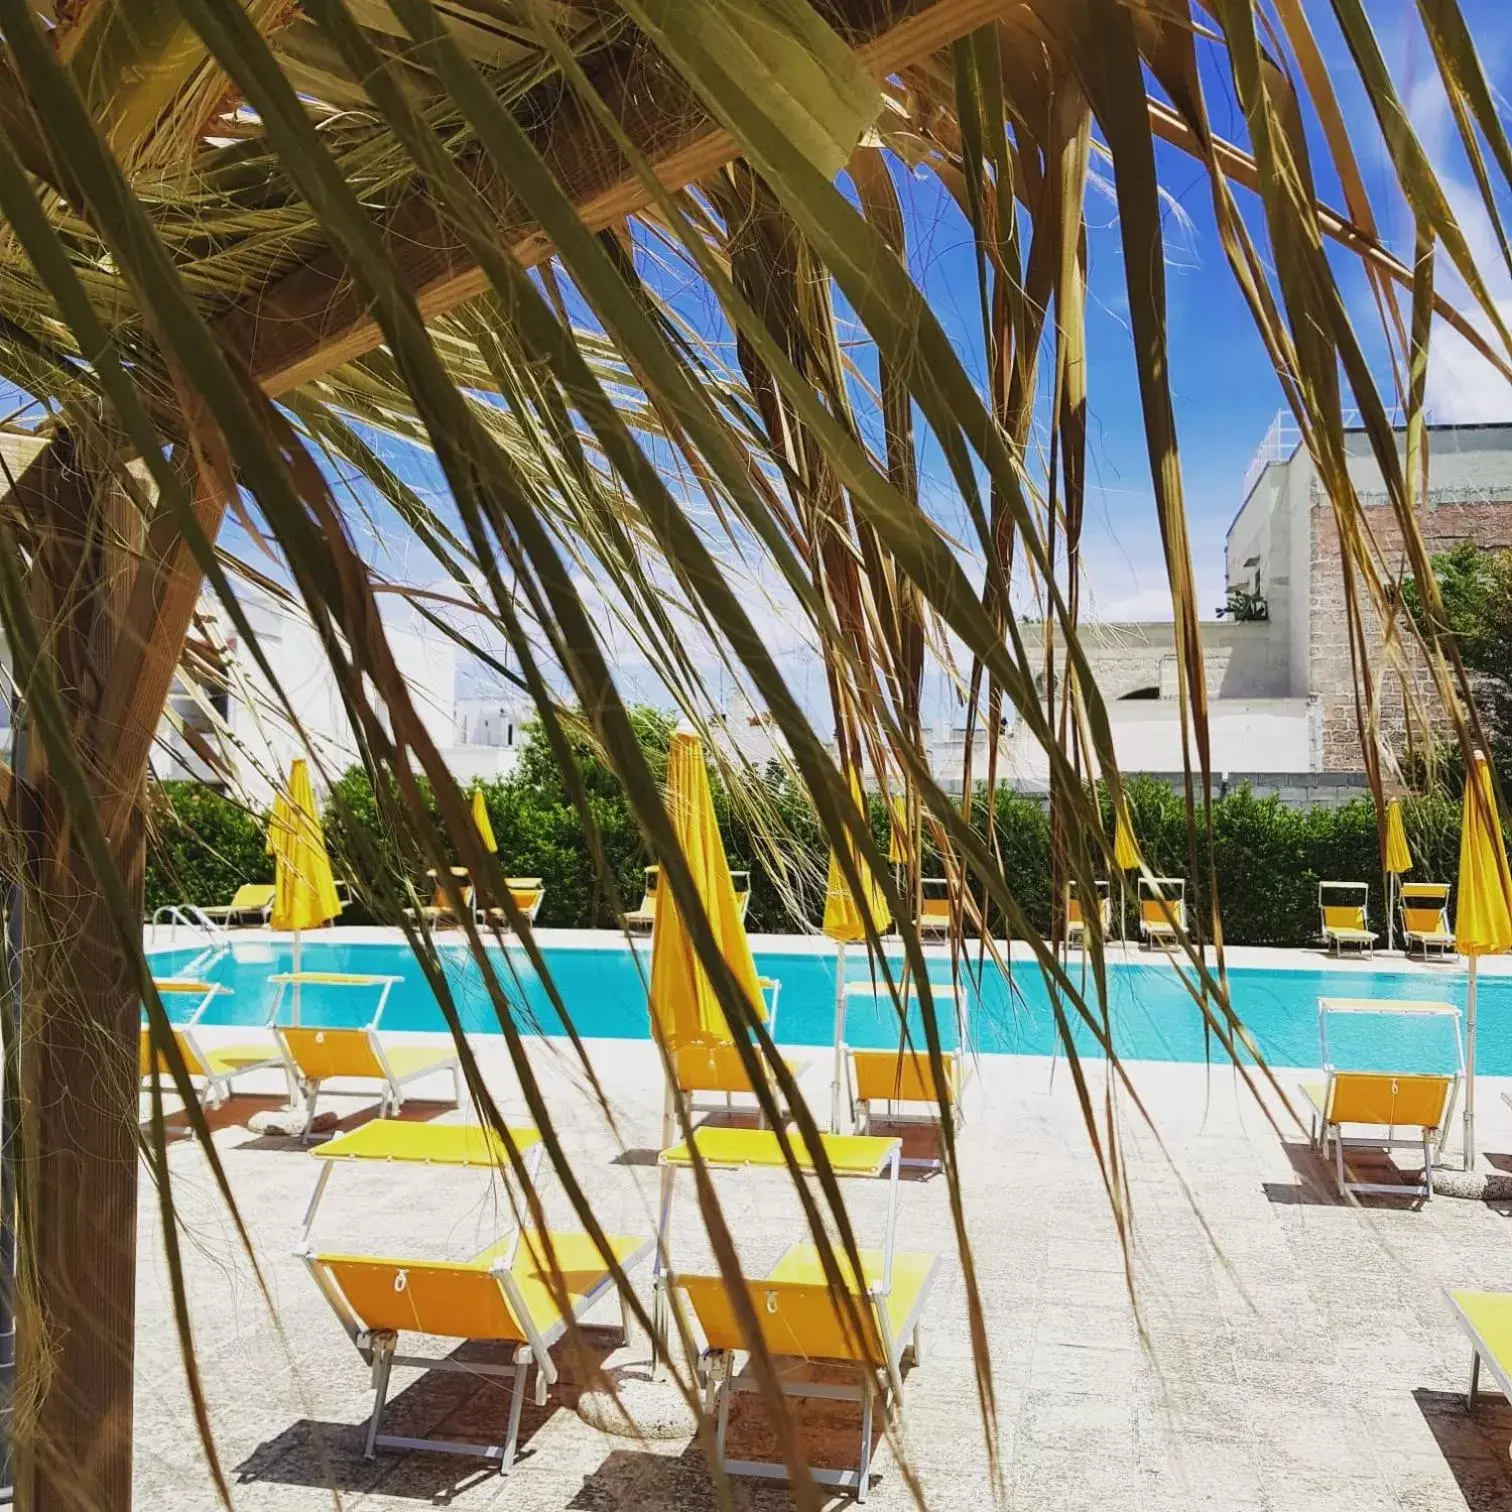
[[1463, 388]]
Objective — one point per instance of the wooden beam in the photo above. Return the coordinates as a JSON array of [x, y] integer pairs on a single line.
[[312, 319]]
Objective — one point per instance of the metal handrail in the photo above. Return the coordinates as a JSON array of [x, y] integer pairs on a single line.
[[191, 916]]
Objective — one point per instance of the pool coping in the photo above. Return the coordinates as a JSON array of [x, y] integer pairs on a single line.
[[1017, 952]]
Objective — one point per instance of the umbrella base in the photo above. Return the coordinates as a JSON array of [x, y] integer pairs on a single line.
[[638, 1406], [290, 1122]]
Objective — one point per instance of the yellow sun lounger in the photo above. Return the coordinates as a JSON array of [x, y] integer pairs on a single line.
[[510, 1293], [903, 1076], [441, 908], [1425, 917], [935, 912], [1387, 1103], [1342, 914], [318, 1053], [252, 901], [864, 1332], [642, 920], [1486, 1320], [717, 1068], [527, 895], [215, 1067], [1162, 910], [1076, 923]]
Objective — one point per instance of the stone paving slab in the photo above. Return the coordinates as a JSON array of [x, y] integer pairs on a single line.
[[1282, 1351]]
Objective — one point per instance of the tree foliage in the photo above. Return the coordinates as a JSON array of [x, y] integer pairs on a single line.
[[1475, 587]]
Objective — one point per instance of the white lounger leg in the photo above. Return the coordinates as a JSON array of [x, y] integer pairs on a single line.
[[723, 1422], [516, 1402], [863, 1470], [312, 1091], [383, 1364]]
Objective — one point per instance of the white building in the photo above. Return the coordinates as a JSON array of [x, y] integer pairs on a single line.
[[225, 726]]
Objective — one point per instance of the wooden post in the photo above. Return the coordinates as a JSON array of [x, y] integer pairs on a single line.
[[111, 592]]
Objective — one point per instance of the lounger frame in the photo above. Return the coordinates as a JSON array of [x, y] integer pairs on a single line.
[[1076, 924], [1324, 1132], [1335, 936], [380, 1350], [219, 1086], [1167, 922], [496, 917], [1480, 1353], [869, 1387], [392, 1084], [1426, 896], [771, 990], [935, 890]]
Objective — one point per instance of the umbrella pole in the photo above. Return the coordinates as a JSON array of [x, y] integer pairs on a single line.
[[835, 1085], [1470, 1071], [297, 943], [659, 1319]]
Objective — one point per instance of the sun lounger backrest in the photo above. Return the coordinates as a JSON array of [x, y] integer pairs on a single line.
[[319, 1052], [252, 895], [797, 1318], [901, 1076], [447, 1300], [1343, 916], [1374, 1098], [145, 1056], [1073, 910], [711, 1068], [934, 900], [1424, 920], [1163, 912]]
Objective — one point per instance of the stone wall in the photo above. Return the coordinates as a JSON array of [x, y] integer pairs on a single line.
[[1241, 661], [1448, 519]]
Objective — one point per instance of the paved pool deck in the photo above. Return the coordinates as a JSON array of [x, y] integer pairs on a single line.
[[1282, 1351]]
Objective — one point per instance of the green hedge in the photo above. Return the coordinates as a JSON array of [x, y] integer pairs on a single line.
[[1269, 857], [201, 847]]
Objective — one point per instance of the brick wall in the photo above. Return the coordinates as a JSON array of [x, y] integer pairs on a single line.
[[1446, 521]]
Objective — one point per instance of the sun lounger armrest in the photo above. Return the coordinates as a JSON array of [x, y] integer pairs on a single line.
[[546, 1371]]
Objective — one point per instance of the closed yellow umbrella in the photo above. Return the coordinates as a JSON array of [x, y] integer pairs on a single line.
[[484, 824], [684, 1007], [304, 891], [1483, 920], [1126, 858], [1398, 860], [1125, 847], [845, 923], [898, 843]]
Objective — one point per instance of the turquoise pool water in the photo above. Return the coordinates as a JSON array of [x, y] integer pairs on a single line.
[[1152, 1014]]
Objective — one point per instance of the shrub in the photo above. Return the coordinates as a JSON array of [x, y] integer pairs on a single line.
[[1269, 858], [201, 847]]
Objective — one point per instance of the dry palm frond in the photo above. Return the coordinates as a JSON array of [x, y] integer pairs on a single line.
[[593, 261]]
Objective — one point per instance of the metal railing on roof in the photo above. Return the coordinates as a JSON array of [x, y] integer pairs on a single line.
[[1282, 438]]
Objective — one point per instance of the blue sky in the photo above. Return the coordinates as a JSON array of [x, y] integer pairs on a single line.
[[1225, 392]]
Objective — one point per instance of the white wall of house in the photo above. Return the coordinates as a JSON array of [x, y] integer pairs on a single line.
[[262, 739], [1259, 735]]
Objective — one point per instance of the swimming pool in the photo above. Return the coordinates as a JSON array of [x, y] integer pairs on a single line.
[[1153, 1016]]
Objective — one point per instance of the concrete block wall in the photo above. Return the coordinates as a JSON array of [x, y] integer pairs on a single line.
[[1447, 520]]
